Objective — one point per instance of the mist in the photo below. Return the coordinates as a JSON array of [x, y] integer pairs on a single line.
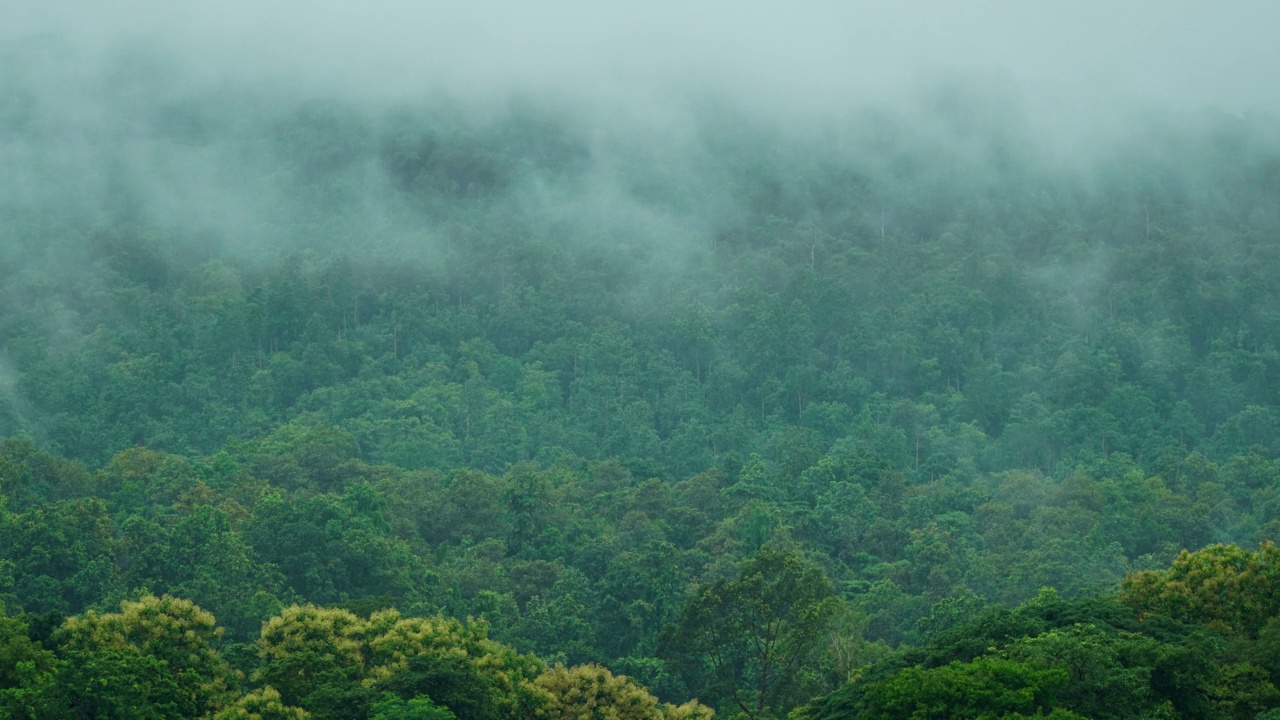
[[1093, 62], [1183, 53], [644, 144]]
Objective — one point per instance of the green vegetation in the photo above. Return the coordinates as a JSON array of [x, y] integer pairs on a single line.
[[448, 414], [1096, 657]]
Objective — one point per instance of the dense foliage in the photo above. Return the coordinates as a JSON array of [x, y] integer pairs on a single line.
[[724, 408], [1097, 657]]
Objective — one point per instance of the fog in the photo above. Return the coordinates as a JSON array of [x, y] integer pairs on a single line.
[[1078, 73], [160, 107], [258, 126], [1088, 55]]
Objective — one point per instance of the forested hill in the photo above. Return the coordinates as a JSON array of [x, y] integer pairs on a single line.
[[610, 383]]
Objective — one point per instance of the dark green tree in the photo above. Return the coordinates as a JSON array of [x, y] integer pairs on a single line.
[[748, 639]]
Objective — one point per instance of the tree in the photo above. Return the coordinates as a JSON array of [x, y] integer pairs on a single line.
[[262, 704], [419, 708], [26, 670], [591, 692], [1107, 674], [987, 687], [453, 663], [1223, 587], [154, 658], [754, 634], [335, 664], [307, 649]]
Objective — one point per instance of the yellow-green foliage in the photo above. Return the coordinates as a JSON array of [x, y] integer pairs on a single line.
[[307, 648], [333, 632], [1224, 587], [171, 629], [306, 645], [591, 692], [263, 704], [393, 640], [396, 639]]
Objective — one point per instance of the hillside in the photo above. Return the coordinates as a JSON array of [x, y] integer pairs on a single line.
[[628, 392]]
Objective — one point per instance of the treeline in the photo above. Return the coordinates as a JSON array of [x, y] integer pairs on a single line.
[[584, 563], [1197, 640], [163, 658]]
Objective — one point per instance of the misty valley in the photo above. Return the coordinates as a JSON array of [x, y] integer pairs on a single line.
[[516, 406]]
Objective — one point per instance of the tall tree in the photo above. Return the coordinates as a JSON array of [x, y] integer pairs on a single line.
[[747, 639]]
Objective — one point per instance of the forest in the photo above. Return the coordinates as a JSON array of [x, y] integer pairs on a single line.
[[454, 409]]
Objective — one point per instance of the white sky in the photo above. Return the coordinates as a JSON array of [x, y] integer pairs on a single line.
[[1086, 53]]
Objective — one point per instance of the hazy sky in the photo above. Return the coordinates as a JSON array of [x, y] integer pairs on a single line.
[[1095, 53]]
